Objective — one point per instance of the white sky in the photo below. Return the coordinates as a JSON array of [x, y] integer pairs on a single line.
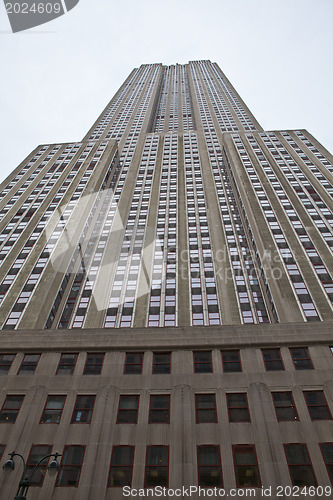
[[57, 78]]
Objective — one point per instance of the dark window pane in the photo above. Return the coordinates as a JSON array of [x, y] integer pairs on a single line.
[[67, 364], [157, 468], [238, 408], [5, 363], [301, 358], [36, 454], [159, 409], [83, 409], [272, 359], [205, 408], [162, 363], [128, 409], [121, 466], [317, 405], [247, 472], [10, 409], [133, 363], [231, 361], [29, 364], [209, 466], [299, 464], [53, 410], [94, 364], [203, 362], [70, 468], [284, 406]]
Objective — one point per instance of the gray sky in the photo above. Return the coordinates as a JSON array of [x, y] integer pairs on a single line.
[[58, 77]]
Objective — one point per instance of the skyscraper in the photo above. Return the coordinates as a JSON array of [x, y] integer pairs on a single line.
[[177, 239]]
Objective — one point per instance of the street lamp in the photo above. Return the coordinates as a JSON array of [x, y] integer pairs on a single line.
[[26, 479]]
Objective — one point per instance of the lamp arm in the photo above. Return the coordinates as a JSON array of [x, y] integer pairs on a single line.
[[14, 454], [55, 455]]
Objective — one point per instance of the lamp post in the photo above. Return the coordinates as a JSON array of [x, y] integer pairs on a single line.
[[26, 479]]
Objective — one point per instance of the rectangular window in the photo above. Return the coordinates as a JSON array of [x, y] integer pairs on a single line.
[[70, 467], [159, 411], [162, 362], [327, 451], [67, 364], [238, 408], [203, 362], [205, 406], [272, 359], [299, 464], [317, 405], [284, 406], [133, 363], [94, 364], [121, 466], [37, 452], [83, 409], [10, 409], [209, 466], [2, 449], [246, 465], [157, 466], [128, 410], [5, 363], [231, 361], [29, 364], [301, 358], [53, 410]]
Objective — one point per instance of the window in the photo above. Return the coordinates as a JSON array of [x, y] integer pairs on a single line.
[[246, 466], [157, 466], [317, 405], [10, 409], [272, 359], [2, 449], [209, 466], [83, 409], [70, 467], [203, 362], [162, 362], [37, 452], [67, 364], [284, 406], [94, 364], [133, 363], [327, 451], [128, 410], [159, 411], [29, 364], [205, 406], [299, 464], [5, 363], [231, 361], [121, 466], [53, 410], [301, 358], [238, 408]]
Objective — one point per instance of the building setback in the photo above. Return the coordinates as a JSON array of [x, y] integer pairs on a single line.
[[166, 299]]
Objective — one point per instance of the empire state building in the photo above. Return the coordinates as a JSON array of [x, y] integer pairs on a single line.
[[166, 298]]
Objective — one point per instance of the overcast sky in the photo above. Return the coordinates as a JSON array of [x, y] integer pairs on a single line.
[[57, 78]]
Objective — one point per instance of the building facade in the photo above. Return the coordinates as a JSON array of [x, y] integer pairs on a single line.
[[166, 299]]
